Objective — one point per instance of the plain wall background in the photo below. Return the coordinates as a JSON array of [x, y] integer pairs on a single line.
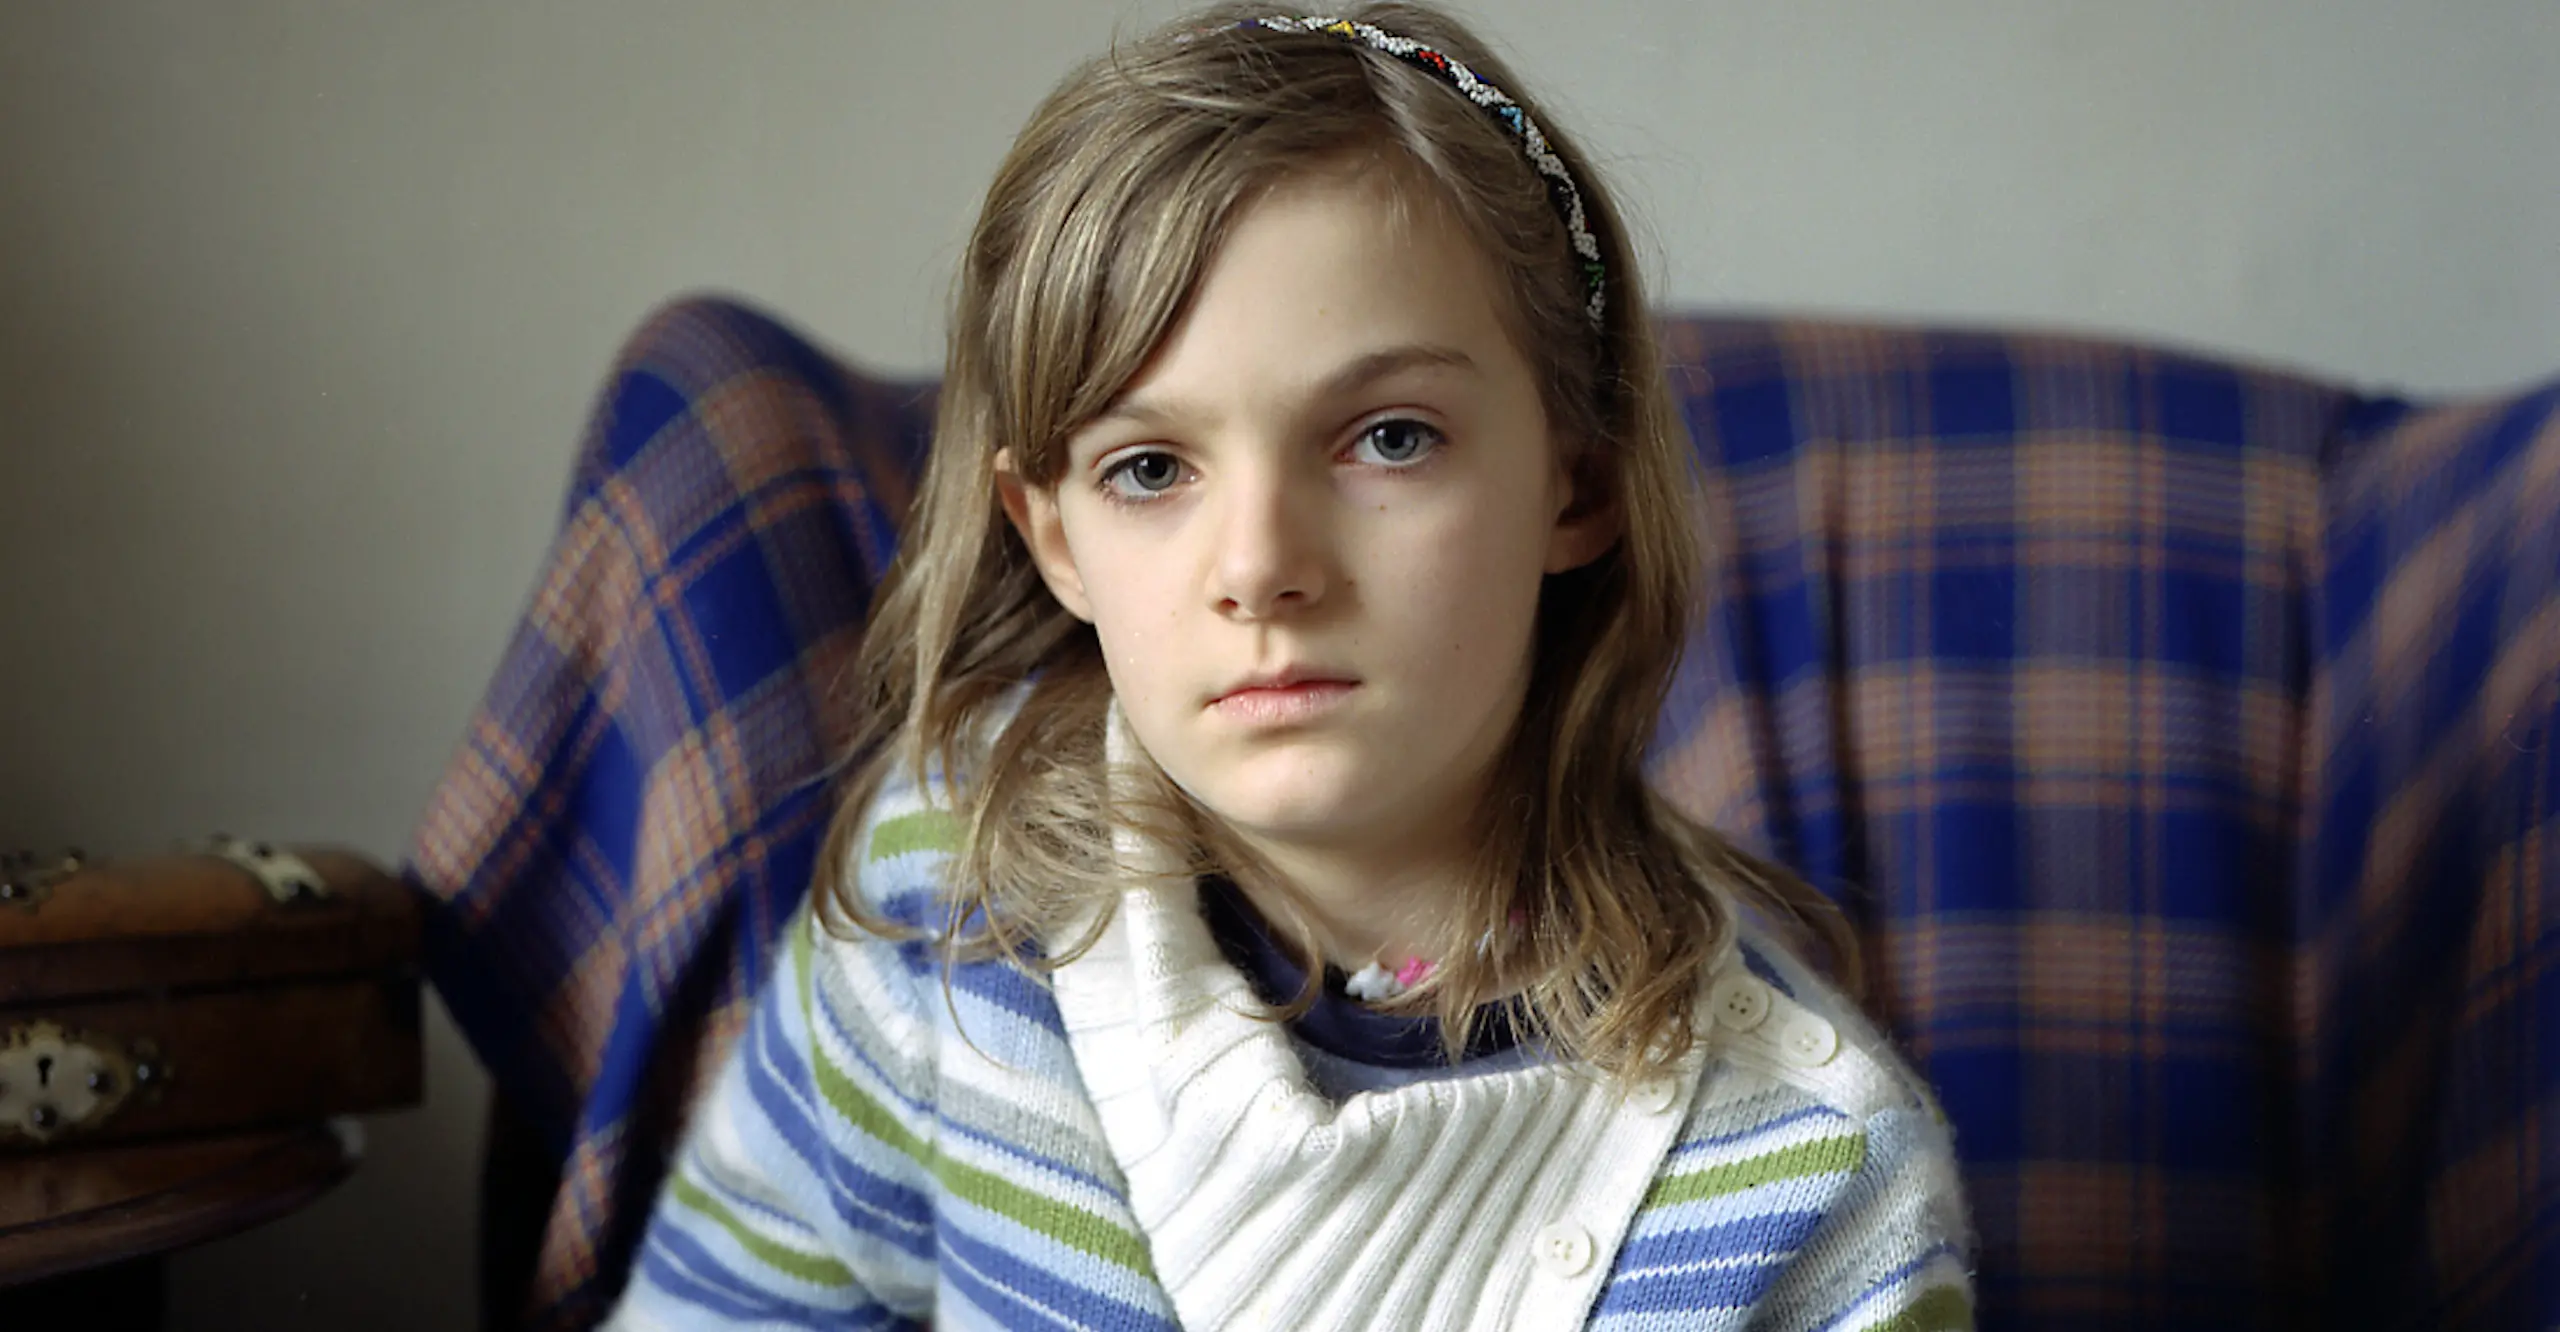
[[301, 306]]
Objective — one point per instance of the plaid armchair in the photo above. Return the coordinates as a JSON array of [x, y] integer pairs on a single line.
[[2179, 735]]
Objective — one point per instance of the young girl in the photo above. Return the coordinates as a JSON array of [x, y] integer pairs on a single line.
[[1250, 910]]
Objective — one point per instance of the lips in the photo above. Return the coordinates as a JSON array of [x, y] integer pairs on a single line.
[[1288, 678], [1285, 697]]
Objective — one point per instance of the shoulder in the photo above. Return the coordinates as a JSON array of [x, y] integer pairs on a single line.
[[1771, 1014], [898, 861], [1813, 1176], [911, 830], [1788, 1054], [1796, 1078], [1813, 1171], [899, 865], [894, 868]]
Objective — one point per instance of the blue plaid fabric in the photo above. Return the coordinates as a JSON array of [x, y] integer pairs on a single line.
[[2179, 735], [639, 800]]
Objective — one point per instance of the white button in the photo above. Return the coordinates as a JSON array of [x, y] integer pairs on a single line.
[[1657, 1097], [1563, 1249], [1807, 1041], [1741, 1002]]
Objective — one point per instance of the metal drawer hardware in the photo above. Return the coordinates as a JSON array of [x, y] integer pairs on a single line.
[[288, 878], [27, 879], [54, 1081]]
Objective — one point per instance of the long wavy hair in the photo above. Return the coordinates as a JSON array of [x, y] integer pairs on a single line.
[[1594, 907]]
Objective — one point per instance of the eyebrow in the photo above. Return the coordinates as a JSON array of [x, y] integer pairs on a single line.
[[1355, 374]]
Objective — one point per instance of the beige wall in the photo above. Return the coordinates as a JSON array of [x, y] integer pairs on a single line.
[[301, 304]]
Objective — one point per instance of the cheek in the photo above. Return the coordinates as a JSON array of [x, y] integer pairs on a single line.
[[1475, 582], [1135, 611]]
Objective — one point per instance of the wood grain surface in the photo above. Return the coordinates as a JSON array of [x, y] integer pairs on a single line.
[[67, 1210]]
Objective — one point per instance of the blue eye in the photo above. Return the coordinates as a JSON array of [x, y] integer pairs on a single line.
[[1141, 476], [1397, 443]]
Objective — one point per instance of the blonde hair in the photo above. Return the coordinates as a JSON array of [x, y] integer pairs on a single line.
[[1594, 906]]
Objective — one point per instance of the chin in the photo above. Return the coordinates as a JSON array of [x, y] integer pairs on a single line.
[[1282, 813], [1299, 805]]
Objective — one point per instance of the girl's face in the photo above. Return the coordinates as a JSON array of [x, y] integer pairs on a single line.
[[1311, 534]]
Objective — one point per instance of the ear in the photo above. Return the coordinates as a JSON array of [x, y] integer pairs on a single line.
[[1034, 513], [1588, 520]]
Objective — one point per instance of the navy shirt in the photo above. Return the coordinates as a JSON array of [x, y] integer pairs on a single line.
[[1338, 1025]]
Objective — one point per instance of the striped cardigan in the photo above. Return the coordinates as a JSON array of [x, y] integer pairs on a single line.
[[880, 1151]]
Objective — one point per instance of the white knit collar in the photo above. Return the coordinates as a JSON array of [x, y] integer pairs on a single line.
[[1265, 1204]]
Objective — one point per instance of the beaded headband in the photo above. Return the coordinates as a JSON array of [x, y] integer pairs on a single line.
[[1561, 191]]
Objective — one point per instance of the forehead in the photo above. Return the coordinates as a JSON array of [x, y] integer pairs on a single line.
[[1320, 272]]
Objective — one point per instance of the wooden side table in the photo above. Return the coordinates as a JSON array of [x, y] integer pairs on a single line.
[[83, 1232], [86, 1207], [181, 1038]]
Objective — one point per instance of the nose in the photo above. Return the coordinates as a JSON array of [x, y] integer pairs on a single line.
[[1271, 553]]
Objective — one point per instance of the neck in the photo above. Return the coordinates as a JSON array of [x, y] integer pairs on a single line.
[[1364, 907], [1380, 893]]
